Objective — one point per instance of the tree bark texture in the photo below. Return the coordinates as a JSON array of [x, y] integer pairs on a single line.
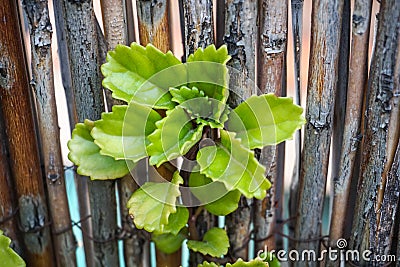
[[153, 23], [42, 81], [8, 207], [240, 36], [377, 195], [272, 42], [198, 24], [83, 50], [297, 31], [115, 32], [325, 43], [16, 105], [356, 92]]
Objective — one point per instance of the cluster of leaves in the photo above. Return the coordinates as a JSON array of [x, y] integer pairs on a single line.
[[8, 256], [170, 108]]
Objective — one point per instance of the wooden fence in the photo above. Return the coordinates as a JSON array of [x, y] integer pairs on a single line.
[[352, 111]]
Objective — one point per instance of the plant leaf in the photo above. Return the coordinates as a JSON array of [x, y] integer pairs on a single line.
[[122, 133], [270, 259], [221, 202], [265, 120], [234, 165], [8, 256], [129, 69], [170, 243], [201, 108], [86, 155], [215, 243], [208, 264], [176, 221], [206, 70], [151, 205], [252, 263], [174, 136]]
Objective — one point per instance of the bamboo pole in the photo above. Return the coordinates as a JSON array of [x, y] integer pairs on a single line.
[[8, 207], [272, 42], [373, 221], [240, 36], [325, 42], [357, 86], [83, 50], [153, 22], [17, 109], [297, 31], [43, 84], [198, 32]]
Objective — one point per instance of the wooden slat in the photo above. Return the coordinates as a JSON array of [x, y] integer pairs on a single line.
[[272, 42], [8, 207], [83, 51], [373, 220], [240, 36], [38, 19], [325, 42], [15, 102], [357, 86], [297, 31]]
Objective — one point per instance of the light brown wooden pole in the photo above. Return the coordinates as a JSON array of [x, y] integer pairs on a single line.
[[325, 43], [40, 29]]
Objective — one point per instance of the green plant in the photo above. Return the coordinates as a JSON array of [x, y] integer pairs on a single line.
[[172, 110], [8, 256]]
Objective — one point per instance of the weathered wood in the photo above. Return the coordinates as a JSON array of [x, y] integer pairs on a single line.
[[153, 20], [240, 36], [8, 207], [153, 23], [297, 31], [373, 219], [325, 43], [83, 50], [272, 42], [16, 105], [42, 81], [130, 25], [357, 85], [199, 24]]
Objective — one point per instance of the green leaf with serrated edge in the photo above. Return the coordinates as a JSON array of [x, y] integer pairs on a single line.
[[8, 256], [270, 259], [174, 136], [234, 165], [215, 243], [201, 108], [129, 69], [208, 264], [207, 71], [265, 120], [176, 221], [221, 202], [170, 243], [252, 263], [86, 155], [185, 93], [151, 205], [122, 133]]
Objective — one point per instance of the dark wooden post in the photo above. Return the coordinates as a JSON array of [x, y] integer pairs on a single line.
[[373, 224], [17, 109]]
